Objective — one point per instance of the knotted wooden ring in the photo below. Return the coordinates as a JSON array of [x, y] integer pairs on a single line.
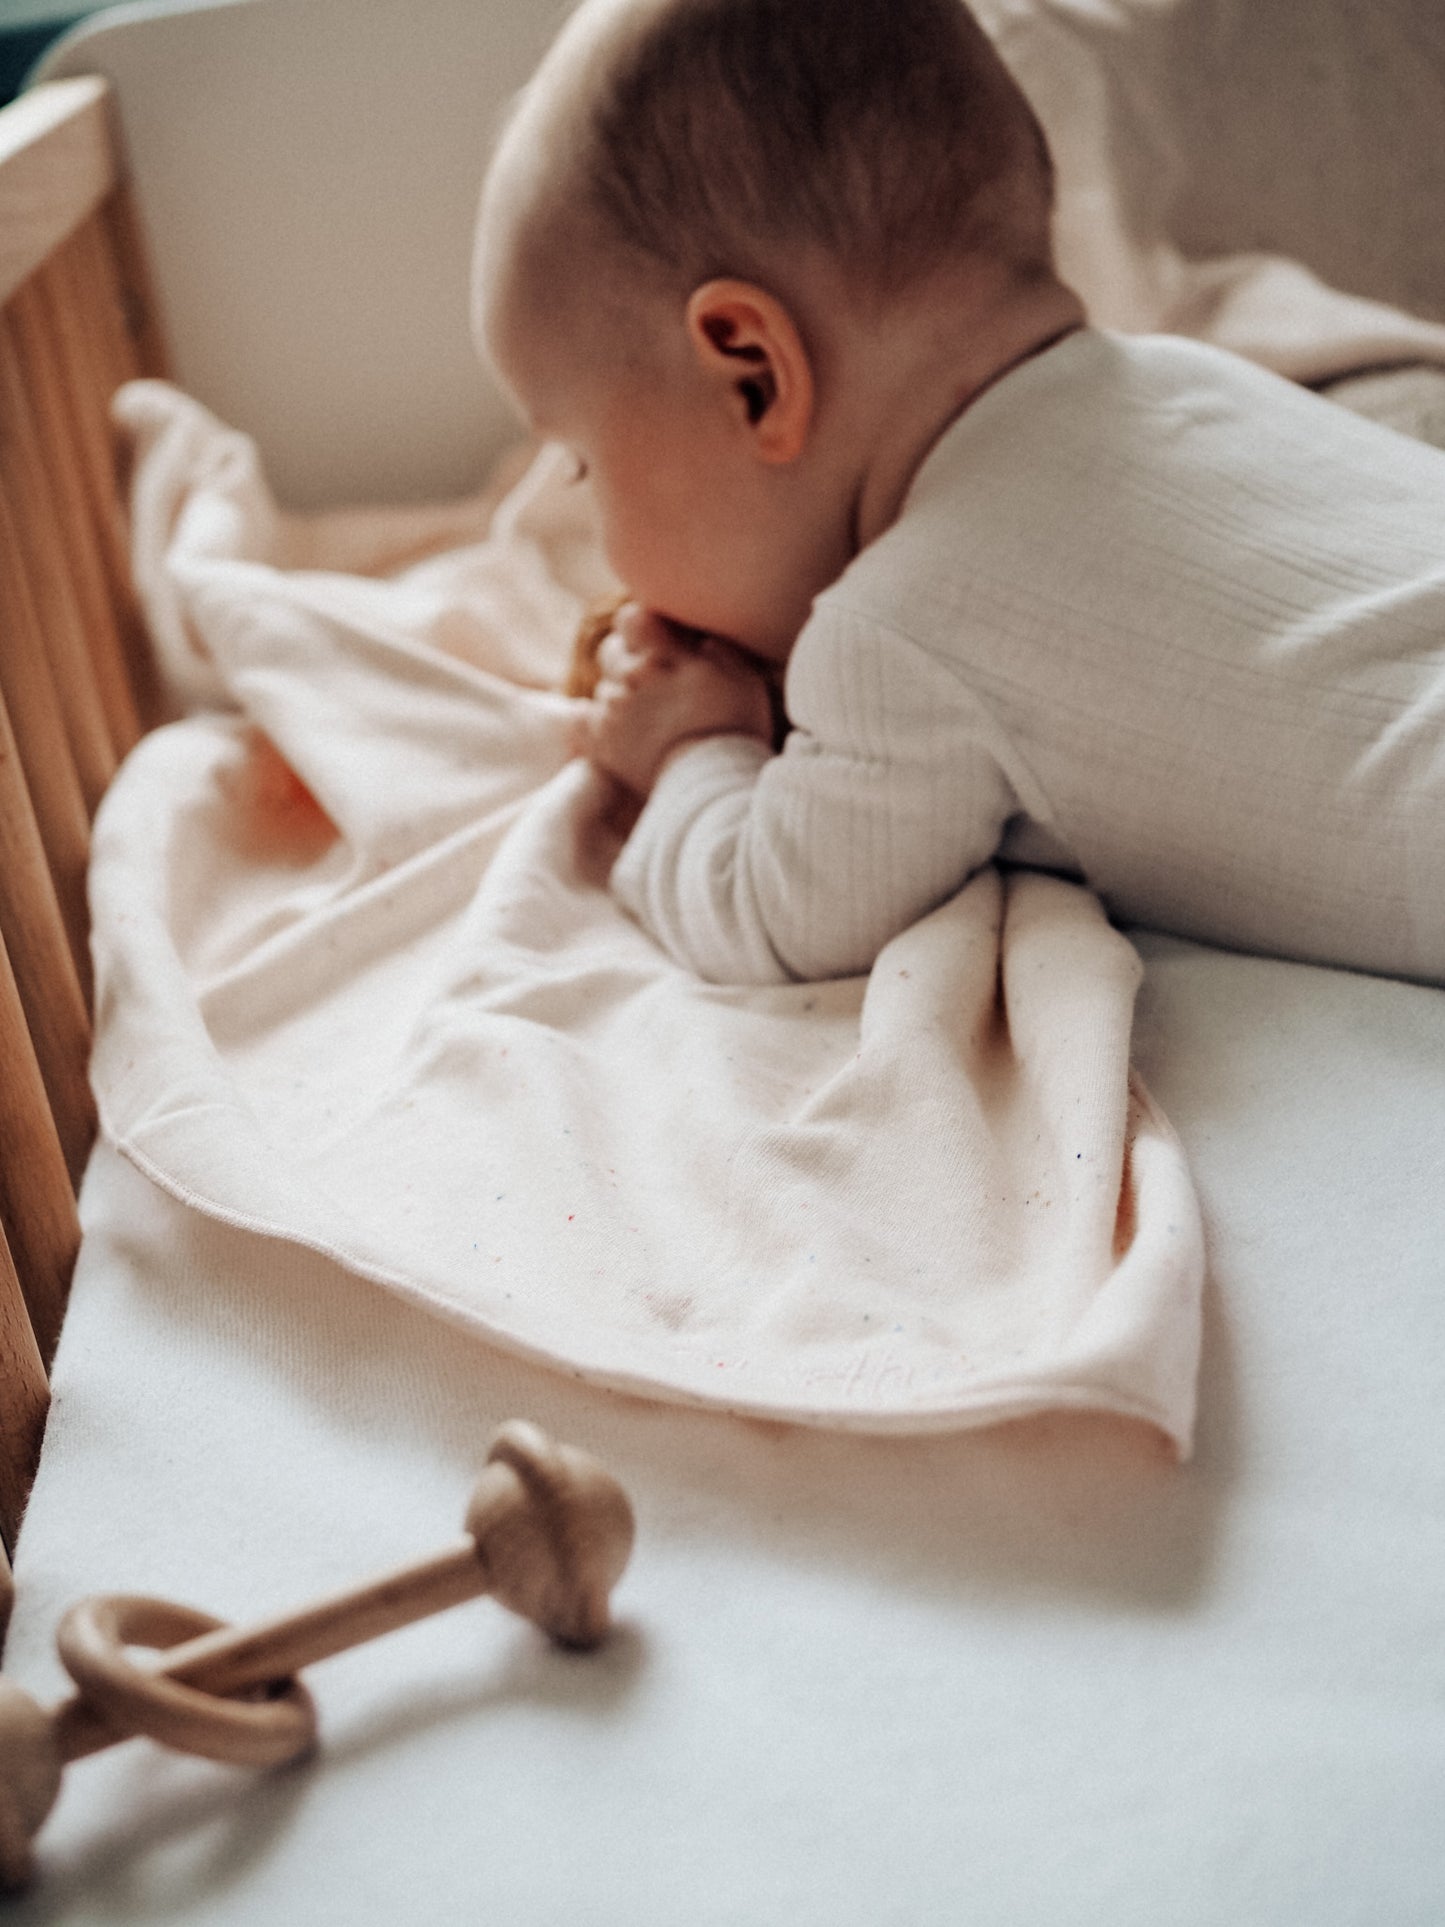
[[91, 1639]]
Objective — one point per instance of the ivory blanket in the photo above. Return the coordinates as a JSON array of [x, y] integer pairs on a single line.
[[361, 986]]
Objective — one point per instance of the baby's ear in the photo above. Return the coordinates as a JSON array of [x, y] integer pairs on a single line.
[[747, 342]]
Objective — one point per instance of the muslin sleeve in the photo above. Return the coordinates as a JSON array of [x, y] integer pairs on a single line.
[[890, 790]]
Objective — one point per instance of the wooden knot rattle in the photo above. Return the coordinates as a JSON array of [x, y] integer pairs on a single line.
[[548, 1535]]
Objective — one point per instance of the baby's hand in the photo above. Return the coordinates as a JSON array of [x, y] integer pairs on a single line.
[[660, 690]]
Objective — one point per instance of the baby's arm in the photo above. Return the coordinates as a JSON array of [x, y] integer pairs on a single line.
[[890, 791]]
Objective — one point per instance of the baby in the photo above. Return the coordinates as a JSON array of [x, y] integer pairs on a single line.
[[779, 273]]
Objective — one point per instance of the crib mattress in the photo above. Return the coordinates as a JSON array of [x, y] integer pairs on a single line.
[[1039, 1673]]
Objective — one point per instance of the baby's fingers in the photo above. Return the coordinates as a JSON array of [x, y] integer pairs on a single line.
[[625, 658], [644, 631]]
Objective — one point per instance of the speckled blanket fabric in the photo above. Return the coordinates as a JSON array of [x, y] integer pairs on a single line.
[[362, 986]]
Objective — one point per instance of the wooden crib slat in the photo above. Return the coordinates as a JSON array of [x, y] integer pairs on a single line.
[[26, 485], [37, 1205], [62, 297], [87, 330], [57, 163], [81, 533], [33, 932], [22, 1414], [106, 312], [28, 687], [119, 223]]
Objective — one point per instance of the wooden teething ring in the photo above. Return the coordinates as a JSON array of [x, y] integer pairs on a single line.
[[91, 1640]]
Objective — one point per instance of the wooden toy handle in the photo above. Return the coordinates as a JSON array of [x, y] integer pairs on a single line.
[[549, 1533]]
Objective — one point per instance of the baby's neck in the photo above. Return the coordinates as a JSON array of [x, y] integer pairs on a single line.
[[961, 343]]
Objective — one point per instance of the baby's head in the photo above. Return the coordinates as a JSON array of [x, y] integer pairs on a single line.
[[739, 254]]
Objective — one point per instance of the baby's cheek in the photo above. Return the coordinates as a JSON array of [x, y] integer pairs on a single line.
[[619, 535], [645, 549]]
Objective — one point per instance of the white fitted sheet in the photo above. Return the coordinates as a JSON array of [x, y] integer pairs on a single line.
[[1040, 1673]]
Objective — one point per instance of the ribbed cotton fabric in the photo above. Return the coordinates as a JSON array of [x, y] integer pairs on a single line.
[[1179, 614]]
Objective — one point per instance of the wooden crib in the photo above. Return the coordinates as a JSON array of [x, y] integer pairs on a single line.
[[76, 320]]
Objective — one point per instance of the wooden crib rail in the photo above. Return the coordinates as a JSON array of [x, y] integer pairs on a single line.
[[76, 319]]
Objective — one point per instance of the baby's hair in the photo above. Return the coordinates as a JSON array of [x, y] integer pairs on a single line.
[[887, 133]]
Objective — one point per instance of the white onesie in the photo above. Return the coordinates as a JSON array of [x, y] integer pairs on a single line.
[[1149, 610]]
